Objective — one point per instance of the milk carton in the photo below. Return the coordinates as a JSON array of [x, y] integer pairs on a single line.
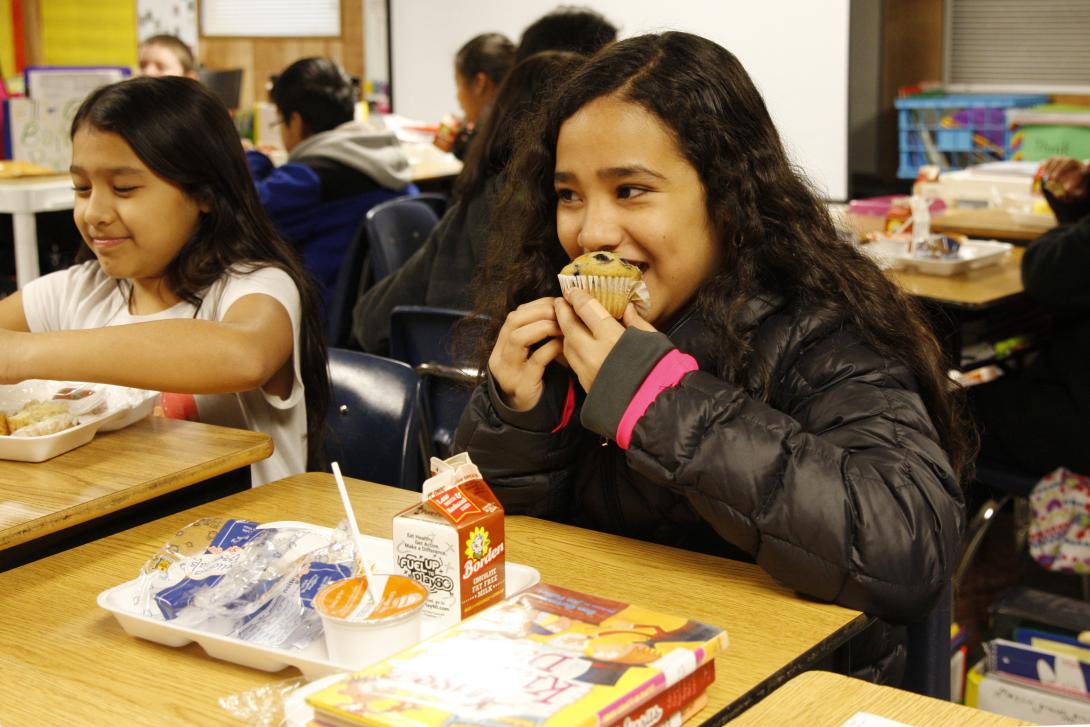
[[452, 542]]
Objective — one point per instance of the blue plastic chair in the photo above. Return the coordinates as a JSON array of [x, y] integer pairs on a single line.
[[356, 275], [338, 322], [396, 229], [421, 337], [374, 420]]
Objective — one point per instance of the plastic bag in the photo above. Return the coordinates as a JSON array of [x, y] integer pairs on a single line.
[[165, 567], [249, 581], [265, 597], [1059, 533], [262, 706]]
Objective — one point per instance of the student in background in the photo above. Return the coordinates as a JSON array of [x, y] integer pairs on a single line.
[[479, 68], [1036, 419], [438, 274], [780, 401], [337, 168], [189, 288], [576, 29], [166, 55]]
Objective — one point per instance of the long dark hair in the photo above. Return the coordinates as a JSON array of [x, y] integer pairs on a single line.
[[526, 87], [775, 235], [184, 134]]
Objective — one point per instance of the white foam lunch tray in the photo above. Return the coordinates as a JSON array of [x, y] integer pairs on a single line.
[[124, 406], [313, 660], [972, 254]]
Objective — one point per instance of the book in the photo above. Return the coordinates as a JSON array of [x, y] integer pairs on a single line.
[[547, 656], [671, 706], [991, 693], [1038, 667], [1054, 642]]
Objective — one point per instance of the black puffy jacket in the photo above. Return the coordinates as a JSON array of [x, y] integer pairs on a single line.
[[835, 484]]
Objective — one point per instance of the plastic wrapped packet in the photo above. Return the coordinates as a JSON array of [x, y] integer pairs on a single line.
[[168, 566], [262, 706], [265, 598]]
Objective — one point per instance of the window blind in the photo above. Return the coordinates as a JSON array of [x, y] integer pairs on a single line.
[[259, 18], [1017, 45]]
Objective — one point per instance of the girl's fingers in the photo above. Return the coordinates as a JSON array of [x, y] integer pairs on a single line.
[[596, 318], [529, 312], [531, 333], [546, 353], [632, 319]]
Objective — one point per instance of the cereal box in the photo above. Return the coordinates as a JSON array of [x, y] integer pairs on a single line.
[[452, 542]]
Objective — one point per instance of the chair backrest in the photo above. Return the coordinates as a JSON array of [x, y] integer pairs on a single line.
[[927, 670], [421, 333], [338, 322], [374, 419], [420, 336], [395, 230], [354, 268]]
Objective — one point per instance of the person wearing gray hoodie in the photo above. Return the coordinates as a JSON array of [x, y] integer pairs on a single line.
[[337, 168]]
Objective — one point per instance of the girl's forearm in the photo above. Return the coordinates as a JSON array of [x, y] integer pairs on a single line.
[[185, 356]]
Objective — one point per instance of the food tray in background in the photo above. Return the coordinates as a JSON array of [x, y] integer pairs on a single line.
[[972, 255], [313, 660], [123, 406]]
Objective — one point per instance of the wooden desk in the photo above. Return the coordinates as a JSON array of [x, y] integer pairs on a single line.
[[990, 222], [61, 655], [975, 289], [431, 164], [821, 699], [116, 470]]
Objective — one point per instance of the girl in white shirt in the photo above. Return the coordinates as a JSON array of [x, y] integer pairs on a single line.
[[189, 288]]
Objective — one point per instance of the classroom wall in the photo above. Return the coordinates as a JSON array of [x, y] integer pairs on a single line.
[[795, 50]]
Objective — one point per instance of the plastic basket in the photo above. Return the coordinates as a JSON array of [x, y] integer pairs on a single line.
[[955, 131]]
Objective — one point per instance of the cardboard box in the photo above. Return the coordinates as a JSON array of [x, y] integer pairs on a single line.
[[452, 542]]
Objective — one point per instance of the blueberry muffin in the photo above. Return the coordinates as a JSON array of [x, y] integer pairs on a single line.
[[611, 280]]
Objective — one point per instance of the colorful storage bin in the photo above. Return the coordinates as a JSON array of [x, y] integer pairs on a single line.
[[955, 131]]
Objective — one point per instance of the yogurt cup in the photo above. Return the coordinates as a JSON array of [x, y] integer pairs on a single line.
[[357, 631]]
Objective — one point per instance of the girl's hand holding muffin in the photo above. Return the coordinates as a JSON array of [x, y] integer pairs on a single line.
[[590, 332]]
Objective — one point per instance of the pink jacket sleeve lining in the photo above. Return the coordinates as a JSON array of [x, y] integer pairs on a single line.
[[666, 375]]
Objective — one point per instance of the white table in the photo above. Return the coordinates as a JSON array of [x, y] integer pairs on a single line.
[[23, 198]]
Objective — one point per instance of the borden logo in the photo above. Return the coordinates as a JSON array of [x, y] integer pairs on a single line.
[[472, 566], [477, 543]]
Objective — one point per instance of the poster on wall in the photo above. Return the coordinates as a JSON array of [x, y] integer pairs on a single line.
[[168, 17]]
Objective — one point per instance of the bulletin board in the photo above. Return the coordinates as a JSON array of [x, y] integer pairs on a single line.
[[7, 39], [168, 17], [795, 50], [80, 33]]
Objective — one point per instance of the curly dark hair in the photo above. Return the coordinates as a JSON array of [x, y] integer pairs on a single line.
[[185, 135], [775, 234]]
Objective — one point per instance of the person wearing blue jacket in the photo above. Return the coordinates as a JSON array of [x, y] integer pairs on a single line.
[[337, 168]]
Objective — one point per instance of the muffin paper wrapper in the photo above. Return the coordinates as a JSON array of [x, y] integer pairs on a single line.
[[612, 292]]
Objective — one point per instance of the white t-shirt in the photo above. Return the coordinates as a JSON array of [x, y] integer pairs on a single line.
[[85, 297]]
